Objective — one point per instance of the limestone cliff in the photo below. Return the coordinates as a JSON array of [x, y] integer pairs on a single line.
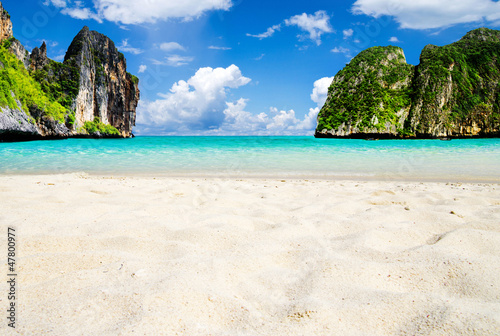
[[453, 92], [5, 24], [370, 95], [20, 52], [107, 92], [89, 94], [38, 58], [457, 88]]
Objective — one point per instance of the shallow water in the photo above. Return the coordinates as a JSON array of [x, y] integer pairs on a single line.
[[456, 160]]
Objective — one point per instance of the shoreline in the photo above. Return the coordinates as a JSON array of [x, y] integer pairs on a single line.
[[125, 255], [272, 176]]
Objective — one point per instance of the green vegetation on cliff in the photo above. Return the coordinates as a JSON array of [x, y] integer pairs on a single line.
[[134, 78], [459, 83], [454, 91], [16, 85], [90, 93], [59, 81], [96, 126], [369, 92]]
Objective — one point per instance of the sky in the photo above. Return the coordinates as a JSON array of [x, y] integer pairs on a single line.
[[243, 67]]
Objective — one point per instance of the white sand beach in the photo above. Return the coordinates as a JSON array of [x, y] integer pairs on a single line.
[[195, 256]]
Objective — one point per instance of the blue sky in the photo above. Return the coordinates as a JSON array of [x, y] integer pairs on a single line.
[[241, 67]]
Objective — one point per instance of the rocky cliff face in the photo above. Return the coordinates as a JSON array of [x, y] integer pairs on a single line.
[[89, 94], [453, 92], [457, 88], [107, 92], [38, 58], [20, 52], [5, 24]]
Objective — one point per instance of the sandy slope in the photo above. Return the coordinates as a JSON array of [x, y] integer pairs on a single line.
[[178, 256]]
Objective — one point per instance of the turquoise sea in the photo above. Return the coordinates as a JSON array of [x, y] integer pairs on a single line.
[[277, 157]]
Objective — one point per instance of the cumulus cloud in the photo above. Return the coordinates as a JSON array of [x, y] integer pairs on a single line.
[[320, 90], [281, 122], [425, 14], [199, 106], [137, 12], [237, 121], [318, 95], [195, 104], [348, 33], [275, 122], [316, 25], [142, 68], [394, 39]]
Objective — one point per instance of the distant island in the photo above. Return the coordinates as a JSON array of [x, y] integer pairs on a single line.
[[454, 92], [90, 94]]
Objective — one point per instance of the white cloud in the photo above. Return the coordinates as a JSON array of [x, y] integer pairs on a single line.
[[174, 60], [394, 39], [137, 12], [268, 33], [259, 57], [285, 122], [237, 121], [425, 14], [276, 122], [315, 25], [320, 90], [281, 121], [49, 43], [348, 33], [310, 121], [319, 95], [142, 68], [125, 47], [57, 3], [199, 106], [195, 104], [75, 9], [218, 48], [342, 50], [171, 46]]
